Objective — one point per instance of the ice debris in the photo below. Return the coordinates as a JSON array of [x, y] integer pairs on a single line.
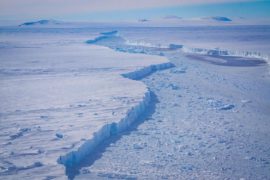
[[20, 133], [219, 105], [59, 135]]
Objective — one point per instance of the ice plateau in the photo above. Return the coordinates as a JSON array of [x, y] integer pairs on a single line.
[[66, 91], [61, 97]]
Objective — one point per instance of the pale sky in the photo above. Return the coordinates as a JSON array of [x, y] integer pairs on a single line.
[[128, 9]]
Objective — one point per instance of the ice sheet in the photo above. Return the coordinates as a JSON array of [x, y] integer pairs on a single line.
[[56, 92]]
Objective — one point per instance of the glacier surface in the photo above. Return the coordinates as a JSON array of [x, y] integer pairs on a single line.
[[64, 91], [60, 99]]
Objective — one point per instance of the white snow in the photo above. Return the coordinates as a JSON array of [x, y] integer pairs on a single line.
[[61, 97], [210, 122]]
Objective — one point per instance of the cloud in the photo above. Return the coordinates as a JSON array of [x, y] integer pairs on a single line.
[[39, 8]]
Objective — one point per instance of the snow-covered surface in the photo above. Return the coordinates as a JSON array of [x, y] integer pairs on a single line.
[[210, 122], [57, 94], [65, 90]]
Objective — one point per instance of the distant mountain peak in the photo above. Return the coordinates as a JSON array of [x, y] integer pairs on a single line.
[[40, 22], [219, 18], [143, 20]]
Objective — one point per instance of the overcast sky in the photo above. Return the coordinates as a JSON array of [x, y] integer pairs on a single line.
[[107, 10]]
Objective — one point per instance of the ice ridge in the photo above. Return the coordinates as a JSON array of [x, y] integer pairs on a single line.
[[221, 52], [73, 158], [114, 41]]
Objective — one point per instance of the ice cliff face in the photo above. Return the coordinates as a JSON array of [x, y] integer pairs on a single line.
[[220, 52], [73, 158], [116, 42]]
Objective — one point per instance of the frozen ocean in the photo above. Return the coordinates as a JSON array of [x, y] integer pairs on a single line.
[[87, 102]]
